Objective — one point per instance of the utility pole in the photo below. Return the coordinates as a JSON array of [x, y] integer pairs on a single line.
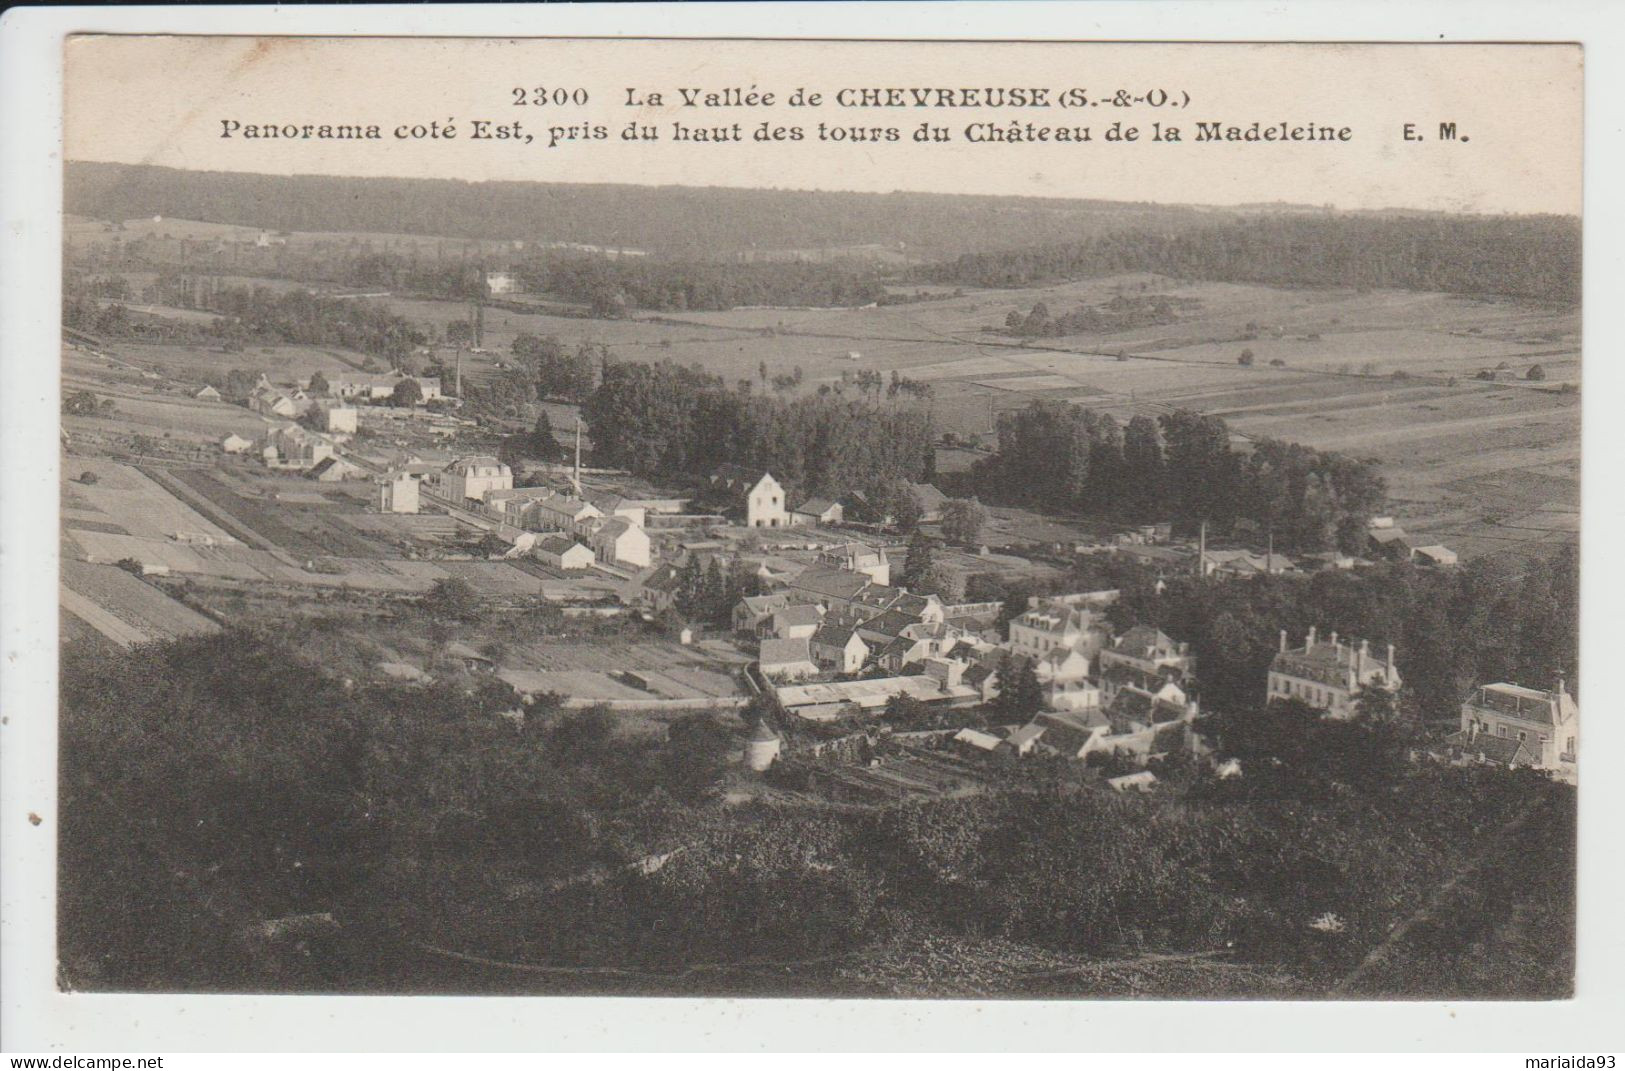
[[575, 478]]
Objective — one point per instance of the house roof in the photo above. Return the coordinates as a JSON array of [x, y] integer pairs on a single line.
[[898, 648], [615, 527], [776, 652], [854, 552], [463, 464], [757, 604], [1329, 663], [801, 614], [832, 583], [978, 739], [890, 623], [664, 579], [1508, 751], [1069, 730], [1027, 734], [763, 733], [1145, 642], [558, 544], [929, 496], [817, 507], [910, 603], [1137, 706], [1525, 704], [1055, 619], [1124, 673], [835, 636], [327, 464]]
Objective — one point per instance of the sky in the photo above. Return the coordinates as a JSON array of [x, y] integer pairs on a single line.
[[1516, 110]]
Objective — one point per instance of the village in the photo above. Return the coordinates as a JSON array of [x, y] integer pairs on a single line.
[[727, 595]]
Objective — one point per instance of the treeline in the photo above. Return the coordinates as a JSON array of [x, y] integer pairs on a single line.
[[1178, 467], [302, 317], [114, 320], [1536, 257], [210, 786], [673, 421], [557, 370], [1490, 620], [664, 220], [257, 314], [614, 287], [1121, 313]]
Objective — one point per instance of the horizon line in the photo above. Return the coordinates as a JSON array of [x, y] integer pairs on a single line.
[[1235, 206]]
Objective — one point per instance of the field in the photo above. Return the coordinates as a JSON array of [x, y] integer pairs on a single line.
[[1482, 466], [124, 609], [618, 670]]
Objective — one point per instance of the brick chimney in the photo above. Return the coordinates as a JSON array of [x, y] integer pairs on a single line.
[[1310, 644], [1390, 659], [1283, 641]]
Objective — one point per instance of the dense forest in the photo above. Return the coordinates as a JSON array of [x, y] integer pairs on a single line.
[[679, 422], [614, 287], [676, 221], [1179, 467], [964, 241], [210, 786], [257, 314], [1536, 257]]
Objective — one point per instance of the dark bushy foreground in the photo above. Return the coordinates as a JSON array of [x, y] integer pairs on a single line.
[[212, 784]]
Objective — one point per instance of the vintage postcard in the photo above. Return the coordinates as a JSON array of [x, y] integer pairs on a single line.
[[812, 518]]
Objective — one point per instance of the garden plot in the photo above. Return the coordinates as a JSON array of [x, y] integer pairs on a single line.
[[142, 611], [124, 496]]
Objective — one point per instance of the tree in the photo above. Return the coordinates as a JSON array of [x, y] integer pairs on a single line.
[[906, 510], [920, 559], [407, 393], [1246, 358], [906, 712], [451, 599], [695, 754], [319, 384], [459, 331], [580, 736], [1021, 694], [544, 445], [80, 403], [87, 477], [1535, 374], [962, 520]]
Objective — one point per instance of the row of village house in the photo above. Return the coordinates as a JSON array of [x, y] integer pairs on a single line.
[[837, 642], [841, 618]]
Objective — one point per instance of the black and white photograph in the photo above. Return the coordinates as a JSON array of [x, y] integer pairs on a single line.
[[573, 517]]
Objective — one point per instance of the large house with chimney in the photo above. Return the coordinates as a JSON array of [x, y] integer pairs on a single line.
[[1510, 725], [1048, 626], [469, 478], [1329, 674]]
